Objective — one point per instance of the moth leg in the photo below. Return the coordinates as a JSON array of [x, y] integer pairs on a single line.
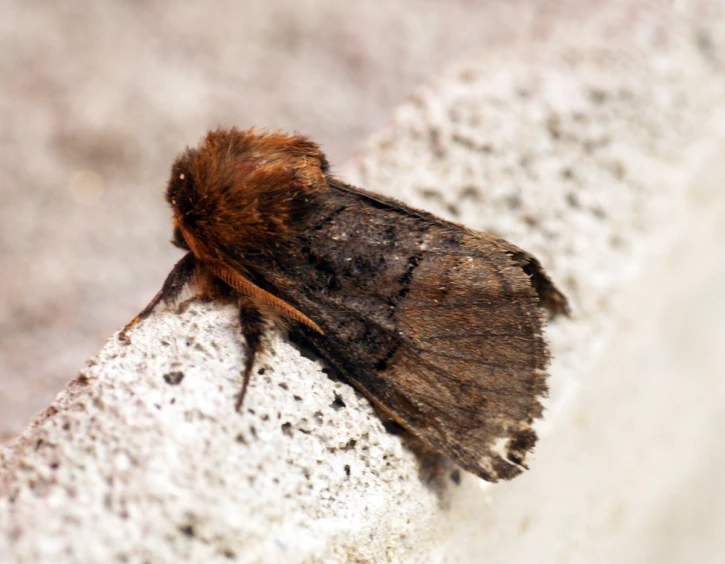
[[179, 276], [252, 323]]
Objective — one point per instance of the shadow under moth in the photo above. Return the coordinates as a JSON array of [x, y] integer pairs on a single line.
[[438, 325]]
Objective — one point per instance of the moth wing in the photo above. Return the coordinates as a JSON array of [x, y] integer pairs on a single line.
[[470, 371], [441, 328], [550, 298]]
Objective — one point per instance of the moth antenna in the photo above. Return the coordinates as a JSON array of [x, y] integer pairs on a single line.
[[260, 296]]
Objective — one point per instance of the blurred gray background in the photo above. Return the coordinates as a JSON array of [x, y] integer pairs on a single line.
[[97, 98]]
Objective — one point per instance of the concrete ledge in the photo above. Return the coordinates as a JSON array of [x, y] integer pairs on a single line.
[[580, 148]]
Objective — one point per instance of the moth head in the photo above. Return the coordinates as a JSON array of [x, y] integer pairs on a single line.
[[242, 189]]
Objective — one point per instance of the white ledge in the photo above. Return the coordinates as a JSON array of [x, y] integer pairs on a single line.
[[580, 149]]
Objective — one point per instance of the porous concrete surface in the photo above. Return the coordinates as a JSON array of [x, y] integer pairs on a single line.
[[144, 459], [598, 148]]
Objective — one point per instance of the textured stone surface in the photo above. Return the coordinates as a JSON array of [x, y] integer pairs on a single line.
[[600, 150], [145, 449]]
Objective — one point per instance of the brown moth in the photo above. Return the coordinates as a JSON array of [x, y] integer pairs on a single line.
[[438, 325]]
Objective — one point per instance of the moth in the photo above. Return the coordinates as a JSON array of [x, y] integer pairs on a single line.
[[439, 326]]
